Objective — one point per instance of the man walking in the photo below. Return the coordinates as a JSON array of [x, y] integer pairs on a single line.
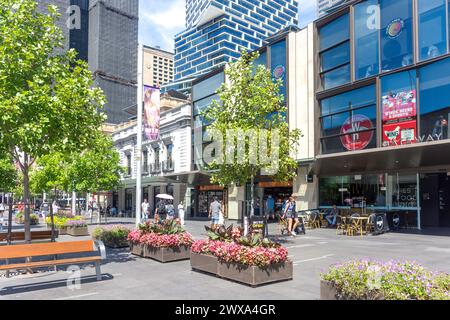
[[214, 212], [144, 207], [181, 213]]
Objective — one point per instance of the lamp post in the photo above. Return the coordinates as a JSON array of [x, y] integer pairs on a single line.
[[138, 155]]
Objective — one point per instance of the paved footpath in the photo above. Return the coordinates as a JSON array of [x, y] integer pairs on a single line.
[[129, 277]]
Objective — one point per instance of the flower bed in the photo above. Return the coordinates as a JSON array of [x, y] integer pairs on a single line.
[[114, 236], [165, 243], [61, 222], [20, 218], [393, 280], [250, 260], [77, 228]]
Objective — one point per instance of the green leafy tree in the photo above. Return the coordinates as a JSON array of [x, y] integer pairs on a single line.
[[50, 173], [96, 168], [252, 109], [47, 102], [9, 177]]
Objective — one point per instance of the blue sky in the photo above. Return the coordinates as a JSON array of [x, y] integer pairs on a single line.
[[160, 20]]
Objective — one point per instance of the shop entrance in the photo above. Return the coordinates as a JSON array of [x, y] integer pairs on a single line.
[[435, 194], [280, 195]]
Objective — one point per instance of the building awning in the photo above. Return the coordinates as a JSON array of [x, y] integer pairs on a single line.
[[420, 156]]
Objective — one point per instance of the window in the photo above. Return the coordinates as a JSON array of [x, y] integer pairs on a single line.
[[396, 34], [145, 162], [278, 63], [169, 152], [432, 28], [349, 121], [157, 162], [334, 44], [129, 164], [399, 108], [435, 100], [366, 40]]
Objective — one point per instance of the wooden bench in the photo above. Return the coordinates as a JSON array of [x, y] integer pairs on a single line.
[[52, 249], [35, 235]]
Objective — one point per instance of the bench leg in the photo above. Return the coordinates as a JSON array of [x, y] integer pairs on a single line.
[[98, 271]]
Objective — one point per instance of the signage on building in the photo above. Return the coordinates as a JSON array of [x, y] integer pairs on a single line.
[[210, 188], [399, 106], [152, 112], [279, 72], [399, 118], [353, 135], [400, 133], [274, 184], [395, 28]]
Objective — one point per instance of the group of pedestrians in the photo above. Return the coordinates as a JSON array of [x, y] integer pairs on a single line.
[[164, 210]]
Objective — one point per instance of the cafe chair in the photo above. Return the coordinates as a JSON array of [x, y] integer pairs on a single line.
[[370, 224], [315, 220], [341, 225]]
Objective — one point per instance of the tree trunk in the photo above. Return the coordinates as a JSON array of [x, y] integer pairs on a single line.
[[98, 209], [252, 196], [26, 198]]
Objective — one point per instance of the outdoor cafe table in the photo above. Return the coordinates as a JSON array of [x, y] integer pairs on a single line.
[[361, 221]]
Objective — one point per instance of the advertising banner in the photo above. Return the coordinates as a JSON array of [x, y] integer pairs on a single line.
[[152, 112], [399, 106], [400, 133], [355, 132]]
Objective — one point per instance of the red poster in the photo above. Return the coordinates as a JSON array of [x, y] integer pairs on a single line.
[[401, 105], [354, 139], [401, 133]]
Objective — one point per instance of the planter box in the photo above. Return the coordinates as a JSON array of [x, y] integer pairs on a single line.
[[167, 254], [115, 246], [205, 263], [327, 291], [255, 276], [78, 232], [62, 230], [137, 249]]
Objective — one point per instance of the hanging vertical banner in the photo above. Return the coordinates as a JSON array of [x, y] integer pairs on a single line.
[[152, 110]]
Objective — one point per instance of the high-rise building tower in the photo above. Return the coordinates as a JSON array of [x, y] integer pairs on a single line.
[[217, 30], [324, 5], [105, 34], [158, 66]]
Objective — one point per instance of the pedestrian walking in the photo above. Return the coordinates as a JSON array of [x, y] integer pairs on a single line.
[[181, 212], [214, 212], [170, 211], [221, 215], [55, 207], [145, 206]]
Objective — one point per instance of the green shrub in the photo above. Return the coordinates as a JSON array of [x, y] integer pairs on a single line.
[[20, 218], [393, 280], [112, 236]]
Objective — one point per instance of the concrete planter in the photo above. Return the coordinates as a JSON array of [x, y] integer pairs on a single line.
[[255, 276], [205, 263], [62, 230], [78, 232], [328, 291], [137, 249], [167, 254]]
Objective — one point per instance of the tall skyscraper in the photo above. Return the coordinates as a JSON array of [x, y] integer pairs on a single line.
[[105, 34], [217, 30], [324, 5]]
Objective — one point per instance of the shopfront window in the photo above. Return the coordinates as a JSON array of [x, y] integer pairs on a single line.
[[349, 121], [359, 191], [432, 28], [366, 39], [399, 108], [396, 34], [402, 191], [435, 101], [335, 52]]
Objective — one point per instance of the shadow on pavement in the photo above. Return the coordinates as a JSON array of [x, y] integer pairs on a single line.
[[50, 284]]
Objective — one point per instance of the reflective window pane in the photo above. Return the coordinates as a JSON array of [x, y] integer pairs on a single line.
[[396, 34], [336, 56], [435, 100], [278, 61], [366, 39], [336, 77], [352, 99], [334, 32], [432, 28]]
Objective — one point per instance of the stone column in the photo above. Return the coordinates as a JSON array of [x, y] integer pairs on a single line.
[[236, 199], [306, 194]]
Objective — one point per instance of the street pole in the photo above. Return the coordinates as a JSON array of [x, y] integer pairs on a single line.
[[138, 155]]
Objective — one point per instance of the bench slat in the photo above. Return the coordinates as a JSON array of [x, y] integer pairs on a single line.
[[43, 249], [35, 235], [50, 263]]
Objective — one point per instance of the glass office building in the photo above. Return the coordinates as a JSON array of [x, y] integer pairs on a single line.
[[217, 30], [383, 109]]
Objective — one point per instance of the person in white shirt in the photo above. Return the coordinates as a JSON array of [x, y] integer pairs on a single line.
[[181, 213], [55, 207], [144, 207]]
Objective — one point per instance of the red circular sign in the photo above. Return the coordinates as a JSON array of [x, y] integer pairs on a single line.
[[353, 138]]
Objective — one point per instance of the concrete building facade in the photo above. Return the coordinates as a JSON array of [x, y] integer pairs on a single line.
[[158, 67]]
